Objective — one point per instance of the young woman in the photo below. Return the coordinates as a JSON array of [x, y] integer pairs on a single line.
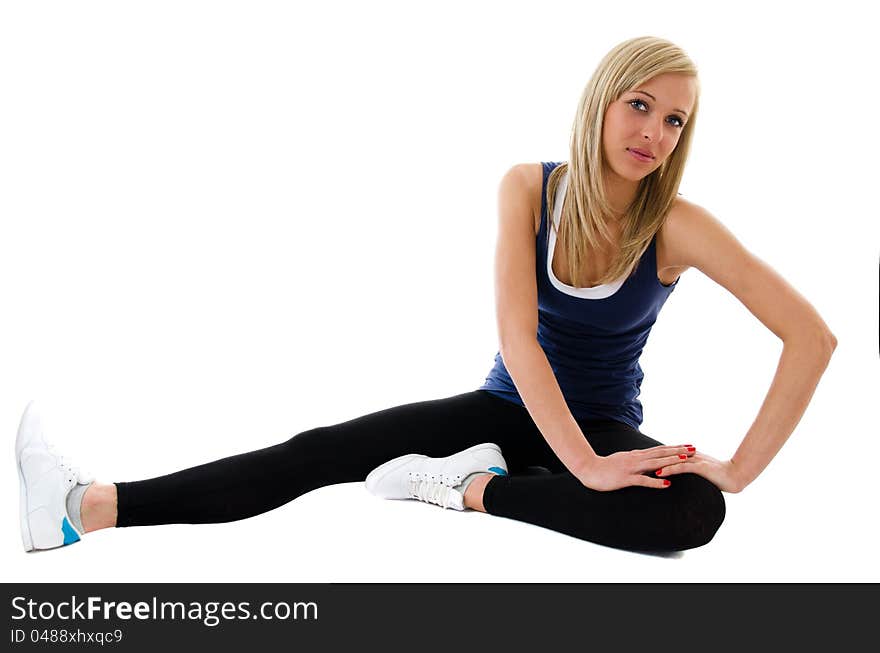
[[588, 251]]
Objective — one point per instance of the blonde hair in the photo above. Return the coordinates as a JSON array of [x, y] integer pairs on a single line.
[[586, 211]]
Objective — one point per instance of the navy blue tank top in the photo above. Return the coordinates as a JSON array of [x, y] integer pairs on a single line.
[[593, 337]]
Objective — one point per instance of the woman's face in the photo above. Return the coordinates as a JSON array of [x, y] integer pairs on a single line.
[[649, 117]]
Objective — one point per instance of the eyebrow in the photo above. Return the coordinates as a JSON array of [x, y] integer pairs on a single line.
[[655, 99]]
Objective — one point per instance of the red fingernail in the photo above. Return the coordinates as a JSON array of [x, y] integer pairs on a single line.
[[691, 449], [687, 445], [658, 472], [681, 455], [666, 483]]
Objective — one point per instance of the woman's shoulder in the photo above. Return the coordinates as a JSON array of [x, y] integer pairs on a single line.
[[680, 212], [671, 241], [531, 177], [532, 174]]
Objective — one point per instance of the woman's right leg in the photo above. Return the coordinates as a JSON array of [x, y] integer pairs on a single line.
[[252, 483], [685, 515]]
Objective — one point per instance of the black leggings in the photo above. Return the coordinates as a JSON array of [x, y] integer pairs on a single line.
[[685, 515]]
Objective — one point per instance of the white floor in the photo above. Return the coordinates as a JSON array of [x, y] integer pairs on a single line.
[[343, 534]]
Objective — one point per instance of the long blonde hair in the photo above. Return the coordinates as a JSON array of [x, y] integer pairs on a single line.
[[586, 211]]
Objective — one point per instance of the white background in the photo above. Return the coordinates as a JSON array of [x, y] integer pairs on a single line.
[[225, 223]]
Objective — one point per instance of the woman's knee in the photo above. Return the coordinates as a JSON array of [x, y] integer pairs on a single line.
[[698, 513]]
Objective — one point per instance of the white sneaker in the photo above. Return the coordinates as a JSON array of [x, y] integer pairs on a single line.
[[433, 480], [45, 479]]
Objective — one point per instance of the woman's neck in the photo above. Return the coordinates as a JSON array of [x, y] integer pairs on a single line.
[[620, 193]]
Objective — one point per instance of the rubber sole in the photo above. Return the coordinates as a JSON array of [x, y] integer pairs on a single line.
[[26, 539]]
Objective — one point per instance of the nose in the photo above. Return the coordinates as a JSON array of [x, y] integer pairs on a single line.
[[653, 131]]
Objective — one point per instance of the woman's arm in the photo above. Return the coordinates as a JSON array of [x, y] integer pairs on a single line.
[[516, 297], [695, 238], [536, 383], [802, 363]]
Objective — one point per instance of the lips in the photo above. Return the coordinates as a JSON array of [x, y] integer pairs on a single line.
[[642, 152]]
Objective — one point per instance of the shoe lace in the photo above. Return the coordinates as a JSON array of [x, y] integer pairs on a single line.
[[67, 463], [431, 491]]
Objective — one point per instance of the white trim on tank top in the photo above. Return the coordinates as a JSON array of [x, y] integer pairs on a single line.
[[596, 292]]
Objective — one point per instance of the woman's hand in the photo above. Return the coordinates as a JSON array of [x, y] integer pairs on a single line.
[[721, 473], [625, 468]]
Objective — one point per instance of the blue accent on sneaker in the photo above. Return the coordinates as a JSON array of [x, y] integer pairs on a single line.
[[498, 470], [70, 535]]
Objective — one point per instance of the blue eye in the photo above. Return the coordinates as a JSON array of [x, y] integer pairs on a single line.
[[679, 124]]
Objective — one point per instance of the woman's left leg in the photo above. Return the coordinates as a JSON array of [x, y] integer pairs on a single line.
[[251, 483], [684, 515]]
